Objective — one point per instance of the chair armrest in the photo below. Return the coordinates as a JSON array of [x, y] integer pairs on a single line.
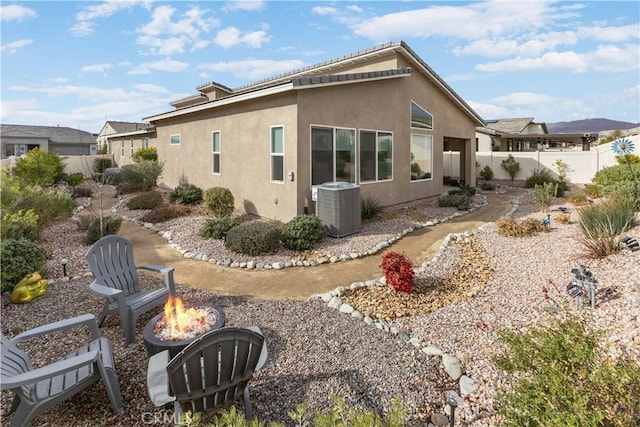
[[84, 319], [103, 291], [158, 379], [57, 368], [167, 272]]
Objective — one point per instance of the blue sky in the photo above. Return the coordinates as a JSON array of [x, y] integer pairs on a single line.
[[79, 64]]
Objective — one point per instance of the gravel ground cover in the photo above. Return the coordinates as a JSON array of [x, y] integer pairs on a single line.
[[317, 352]]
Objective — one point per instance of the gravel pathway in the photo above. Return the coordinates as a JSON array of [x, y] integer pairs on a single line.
[[316, 351]]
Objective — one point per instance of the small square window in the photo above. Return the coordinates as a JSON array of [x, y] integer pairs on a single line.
[[175, 139]]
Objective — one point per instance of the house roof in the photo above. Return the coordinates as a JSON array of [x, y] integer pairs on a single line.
[[516, 125], [120, 127], [323, 71], [55, 134]]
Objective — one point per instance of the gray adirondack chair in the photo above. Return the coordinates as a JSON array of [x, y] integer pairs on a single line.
[[38, 389], [211, 372], [116, 278]]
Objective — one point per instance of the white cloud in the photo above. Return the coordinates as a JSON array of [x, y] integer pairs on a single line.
[[607, 58], [85, 19], [611, 34], [246, 5], [354, 8], [325, 10], [13, 47], [524, 98], [166, 36], [167, 65], [570, 61], [95, 68], [232, 36], [16, 12], [150, 88], [9, 108], [529, 45], [527, 104], [252, 69]]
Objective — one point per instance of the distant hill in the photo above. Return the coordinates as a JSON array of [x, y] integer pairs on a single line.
[[589, 126]]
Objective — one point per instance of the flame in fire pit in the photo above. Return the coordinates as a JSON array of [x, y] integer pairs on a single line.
[[180, 321]]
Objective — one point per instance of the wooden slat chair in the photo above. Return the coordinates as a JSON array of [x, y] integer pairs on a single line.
[[115, 275], [38, 389], [210, 373]]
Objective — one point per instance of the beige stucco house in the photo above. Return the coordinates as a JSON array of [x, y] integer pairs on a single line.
[[378, 118], [125, 138]]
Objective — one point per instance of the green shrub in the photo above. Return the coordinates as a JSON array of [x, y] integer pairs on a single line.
[[486, 173], [545, 194], [101, 164], [82, 192], [253, 238], [370, 207], [21, 224], [461, 201], [511, 227], [165, 213], [593, 190], [623, 189], [464, 189], [487, 186], [302, 232], [187, 194], [146, 200], [20, 257], [612, 216], [538, 177], [631, 158], [47, 203], [74, 179], [142, 154], [579, 199], [511, 166], [110, 225], [340, 415], [613, 174], [560, 376], [218, 228], [218, 201], [142, 176], [38, 167]]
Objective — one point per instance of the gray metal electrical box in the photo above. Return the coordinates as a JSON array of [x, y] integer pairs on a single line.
[[338, 208]]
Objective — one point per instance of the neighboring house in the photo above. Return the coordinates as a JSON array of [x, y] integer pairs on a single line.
[[523, 134], [124, 138], [378, 118], [17, 140]]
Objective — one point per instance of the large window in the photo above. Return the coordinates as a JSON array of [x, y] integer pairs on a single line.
[[277, 154], [145, 142], [376, 156], [215, 150], [333, 155], [175, 139], [420, 118], [421, 157]]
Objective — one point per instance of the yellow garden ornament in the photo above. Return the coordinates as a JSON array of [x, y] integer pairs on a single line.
[[30, 287]]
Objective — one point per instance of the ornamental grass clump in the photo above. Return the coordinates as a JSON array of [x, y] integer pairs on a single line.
[[398, 271]]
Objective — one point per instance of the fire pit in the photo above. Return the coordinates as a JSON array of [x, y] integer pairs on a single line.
[[178, 326]]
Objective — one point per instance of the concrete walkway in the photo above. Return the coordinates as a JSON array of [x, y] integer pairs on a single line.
[[301, 282]]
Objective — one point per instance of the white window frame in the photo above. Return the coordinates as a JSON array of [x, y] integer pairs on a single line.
[[273, 154], [428, 138], [425, 127], [377, 133], [122, 148], [175, 137], [215, 153], [145, 142], [334, 130], [132, 148]]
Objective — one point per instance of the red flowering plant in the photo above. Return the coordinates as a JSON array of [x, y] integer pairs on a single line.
[[398, 271]]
